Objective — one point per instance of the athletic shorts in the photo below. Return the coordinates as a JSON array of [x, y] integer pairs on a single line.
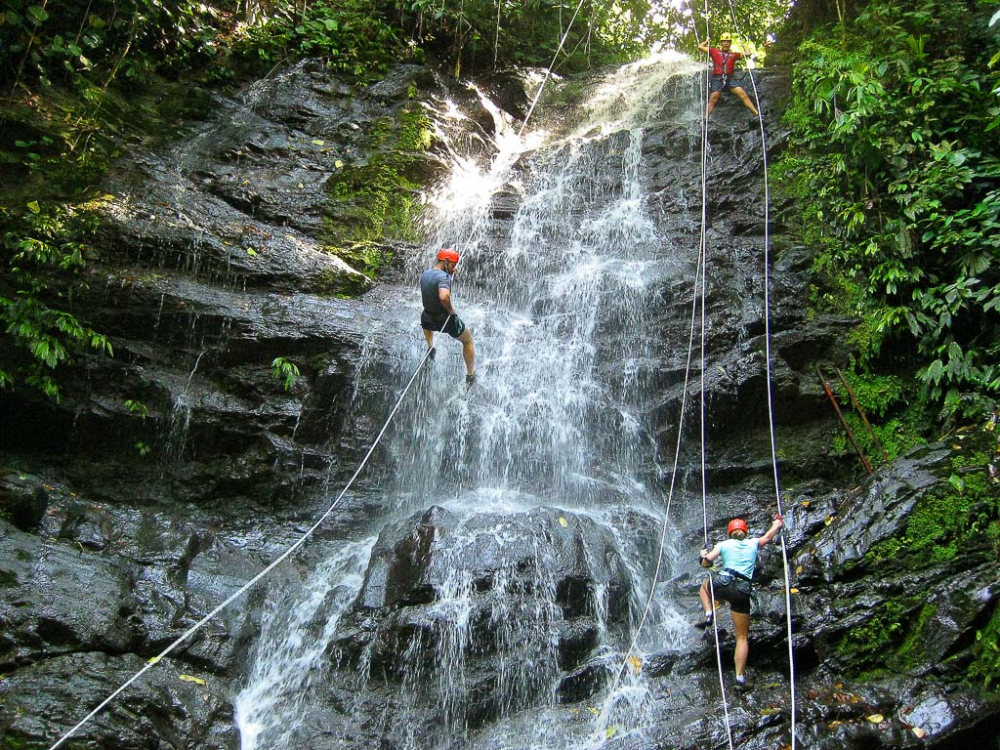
[[455, 327], [723, 83], [738, 600]]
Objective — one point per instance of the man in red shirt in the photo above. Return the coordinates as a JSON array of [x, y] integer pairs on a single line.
[[724, 66]]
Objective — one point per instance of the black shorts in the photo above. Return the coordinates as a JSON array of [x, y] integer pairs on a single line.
[[736, 592], [723, 83], [454, 328]]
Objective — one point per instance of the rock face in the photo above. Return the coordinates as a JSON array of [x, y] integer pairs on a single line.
[[173, 473], [508, 601]]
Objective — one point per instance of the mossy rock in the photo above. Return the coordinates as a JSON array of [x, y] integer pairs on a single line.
[[379, 197], [367, 256], [333, 283]]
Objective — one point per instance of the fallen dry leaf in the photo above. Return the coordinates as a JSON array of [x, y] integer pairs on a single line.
[[920, 733], [876, 718]]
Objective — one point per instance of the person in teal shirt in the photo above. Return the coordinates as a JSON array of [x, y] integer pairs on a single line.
[[733, 584]]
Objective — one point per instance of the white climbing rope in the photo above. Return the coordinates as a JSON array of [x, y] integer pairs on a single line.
[[548, 71], [699, 284], [770, 396], [249, 584], [706, 93]]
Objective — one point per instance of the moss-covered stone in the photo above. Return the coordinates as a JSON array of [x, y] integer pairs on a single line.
[[868, 648], [986, 666], [943, 521], [331, 283], [367, 256], [379, 198]]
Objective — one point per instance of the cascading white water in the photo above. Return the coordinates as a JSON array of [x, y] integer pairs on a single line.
[[559, 299], [294, 637]]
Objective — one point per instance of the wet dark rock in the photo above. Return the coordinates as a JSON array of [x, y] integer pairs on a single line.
[[535, 589], [169, 707], [169, 475], [24, 506]]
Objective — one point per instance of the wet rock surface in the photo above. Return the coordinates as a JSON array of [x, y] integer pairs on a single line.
[[170, 475]]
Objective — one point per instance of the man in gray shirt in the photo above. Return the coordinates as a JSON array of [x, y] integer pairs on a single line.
[[439, 314]]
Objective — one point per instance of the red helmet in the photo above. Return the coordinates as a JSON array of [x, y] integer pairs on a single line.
[[448, 254], [737, 524]]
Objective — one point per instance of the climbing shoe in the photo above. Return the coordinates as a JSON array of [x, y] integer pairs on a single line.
[[433, 353], [470, 378], [743, 684], [705, 623]]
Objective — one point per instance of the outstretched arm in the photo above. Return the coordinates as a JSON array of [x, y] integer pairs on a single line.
[[776, 526]]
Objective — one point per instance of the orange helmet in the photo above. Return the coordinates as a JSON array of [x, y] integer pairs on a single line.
[[737, 524], [449, 255]]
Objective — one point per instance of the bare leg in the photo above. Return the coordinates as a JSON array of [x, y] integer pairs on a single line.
[[429, 336], [741, 624], [468, 351], [742, 94], [712, 100], [706, 597]]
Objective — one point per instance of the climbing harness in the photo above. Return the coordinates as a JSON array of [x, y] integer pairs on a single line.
[[249, 584], [770, 394]]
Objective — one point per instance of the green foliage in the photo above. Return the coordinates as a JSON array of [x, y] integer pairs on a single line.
[[948, 520], [897, 412], [42, 250], [284, 370], [137, 407], [756, 20], [103, 39], [353, 36], [379, 199], [986, 666], [891, 639], [897, 175], [366, 256], [529, 32], [867, 646]]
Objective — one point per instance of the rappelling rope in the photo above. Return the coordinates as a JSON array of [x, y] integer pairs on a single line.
[[706, 93], [770, 397], [699, 282], [670, 494], [284, 556], [548, 71]]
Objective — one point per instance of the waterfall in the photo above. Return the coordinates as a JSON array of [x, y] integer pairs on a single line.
[[566, 259]]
